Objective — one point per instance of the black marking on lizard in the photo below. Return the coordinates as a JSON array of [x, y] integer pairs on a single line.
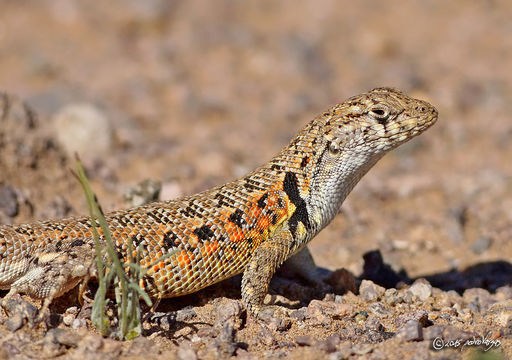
[[261, 201], [77, 242], [252, 185], [191, 211], [158, 217], [222, 200], [204, 233], [236, 218], [169, 240], [24, 231], [291, 188], [304, 161], [137, 240]]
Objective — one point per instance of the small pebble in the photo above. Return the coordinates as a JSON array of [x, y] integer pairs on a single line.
[[143, 193], [478, 299], [504, 292], [230, 310], [14, 322], [362, 349], [370, 291], [78, 324], [83, 129], [421, 289], [481, 244], [379, 309], [8, 201], [411, 331], [185, 352], [392, 297], [304, 340], [299, 314], [330, 344], [372, 323], [323, 312], [225, 344], [69, 315]]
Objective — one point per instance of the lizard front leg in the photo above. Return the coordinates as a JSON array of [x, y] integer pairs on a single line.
[[262, 266]]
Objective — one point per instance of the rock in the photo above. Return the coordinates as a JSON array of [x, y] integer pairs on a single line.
[[229, 310], [83, 129], [323, 312], [58, 208], [379, 309], [66, 337], [420, 316], [504, 292], [411, 331], [421, 289], [139, 346], [501, 315], [344, 350], [78, 324], [276, 323], [185, 314], [330, 344], [361, 317], [185, 352], [166, 319], [304, 340], [373, 324], [143, 193], [92, 343], [369, 291], [362, 349], [20, 311], [207, 332], [299, 314], [392, 297], [14, 322], [481, 244], [69, 315], [265, 337], [51, 347], [225, 345], [8, 201], [478, 299]]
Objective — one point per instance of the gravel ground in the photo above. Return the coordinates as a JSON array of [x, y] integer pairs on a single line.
[[182, 96]]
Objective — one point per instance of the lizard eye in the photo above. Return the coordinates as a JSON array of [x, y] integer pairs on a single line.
[[380, 113], [334, 149]]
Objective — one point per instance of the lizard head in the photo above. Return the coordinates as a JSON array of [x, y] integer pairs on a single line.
[[376, 122], [354, 135]]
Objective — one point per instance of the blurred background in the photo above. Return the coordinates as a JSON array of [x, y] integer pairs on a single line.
[[196, 93]]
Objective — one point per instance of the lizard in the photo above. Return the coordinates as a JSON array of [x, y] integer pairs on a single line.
[[250, 226]]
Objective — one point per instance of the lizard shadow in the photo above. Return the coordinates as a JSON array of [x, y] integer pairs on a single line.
[[486, 275]]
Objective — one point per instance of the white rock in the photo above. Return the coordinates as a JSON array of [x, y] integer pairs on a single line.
[[83, 129]]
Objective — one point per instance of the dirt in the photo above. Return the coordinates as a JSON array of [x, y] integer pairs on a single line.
[[194, 94]]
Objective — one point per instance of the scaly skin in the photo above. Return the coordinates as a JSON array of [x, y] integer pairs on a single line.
[[251, 225]]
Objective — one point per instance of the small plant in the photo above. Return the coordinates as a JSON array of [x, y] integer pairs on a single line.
[[112, 272]]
